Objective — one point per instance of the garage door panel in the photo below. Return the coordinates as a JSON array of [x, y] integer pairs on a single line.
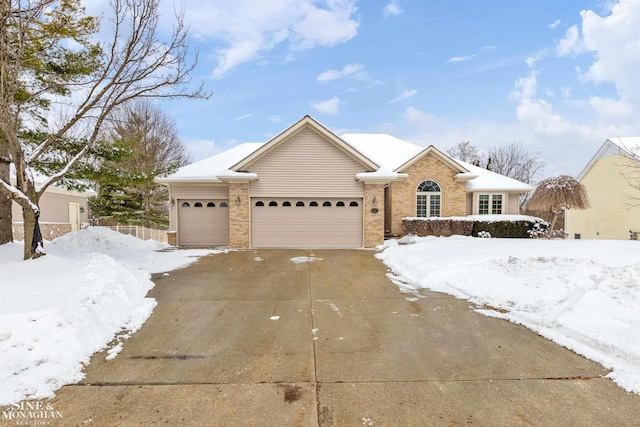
[[306, 226], [207, 225]]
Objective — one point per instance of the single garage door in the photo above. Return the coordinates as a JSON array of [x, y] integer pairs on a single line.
[[306, 223], [203, 222]]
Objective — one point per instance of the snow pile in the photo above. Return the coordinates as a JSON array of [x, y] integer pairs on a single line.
[[584, 295], [57, 310]]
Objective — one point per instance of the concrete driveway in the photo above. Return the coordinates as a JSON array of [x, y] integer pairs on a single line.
[[252, 338]]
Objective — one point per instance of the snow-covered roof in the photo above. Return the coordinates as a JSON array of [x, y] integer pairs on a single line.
[[491, 181], [212, 168], [385, 150], [628, 146]]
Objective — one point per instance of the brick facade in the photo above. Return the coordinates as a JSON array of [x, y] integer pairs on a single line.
[[403, 193], [239, 216], [373, 215]]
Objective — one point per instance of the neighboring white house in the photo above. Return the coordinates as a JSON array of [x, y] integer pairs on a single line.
[[308, 187], [613, 214]]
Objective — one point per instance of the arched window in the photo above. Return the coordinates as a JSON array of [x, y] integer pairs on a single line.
[[259, 203], [286, 203], [428, 199], [186, 205], [299, 203], [211, 205], [224, 205], [272, 203], [340, 204], [353, 204], [313, 204], [326, 204]]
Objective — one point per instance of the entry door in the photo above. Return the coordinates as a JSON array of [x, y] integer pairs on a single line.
[[74, 216]]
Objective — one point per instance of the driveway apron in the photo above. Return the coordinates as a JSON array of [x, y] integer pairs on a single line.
[[308, 338]]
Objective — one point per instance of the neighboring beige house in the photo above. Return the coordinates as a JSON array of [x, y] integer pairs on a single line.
[[310, 188], [62, 211], [611, 215]]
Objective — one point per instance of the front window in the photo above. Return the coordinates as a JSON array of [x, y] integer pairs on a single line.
[[490, 204], [428, 199]]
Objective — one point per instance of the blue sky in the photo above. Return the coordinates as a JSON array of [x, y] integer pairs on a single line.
[[557, 76]]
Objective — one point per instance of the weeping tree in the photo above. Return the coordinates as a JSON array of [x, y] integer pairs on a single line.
[[554, 195], [135, 63]]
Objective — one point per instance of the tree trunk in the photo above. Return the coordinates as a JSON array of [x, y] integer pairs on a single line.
[[553, 223], [6, 231], [33, 245]]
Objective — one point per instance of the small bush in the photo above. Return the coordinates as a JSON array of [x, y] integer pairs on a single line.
[[441, 227], [473, 226], [511, 229]]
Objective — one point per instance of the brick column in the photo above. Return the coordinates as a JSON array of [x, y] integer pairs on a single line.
[[373, 215], [239, 216]]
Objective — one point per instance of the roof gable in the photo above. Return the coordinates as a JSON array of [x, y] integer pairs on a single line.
[[625, 146], [438, 154], [306, 122]]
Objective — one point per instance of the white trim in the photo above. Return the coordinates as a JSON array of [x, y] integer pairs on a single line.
[[476, 201]]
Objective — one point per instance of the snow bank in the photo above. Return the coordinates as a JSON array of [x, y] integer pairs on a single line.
[[584, 295], [58, 310]]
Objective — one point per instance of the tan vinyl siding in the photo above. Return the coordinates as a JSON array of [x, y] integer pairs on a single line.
[[513, 204], [194, 191], [306, 165], [54, 207], [610, 216], [469, 203]]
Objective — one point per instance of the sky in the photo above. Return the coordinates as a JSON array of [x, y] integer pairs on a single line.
[[558, 77]]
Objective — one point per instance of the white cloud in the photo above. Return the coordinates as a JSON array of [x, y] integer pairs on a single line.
[[246, 28], [555, 24], [456, 59], [202, 148], [244, 116], [614, 41], [571, 44], [611, 109], [533, 60], [350, 71], [347, 70], [330, 106], [393, 8], [406, 94]]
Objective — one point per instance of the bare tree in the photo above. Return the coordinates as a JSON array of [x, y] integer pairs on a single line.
[[515, 162], [135, 63], [554, 195], [465, 151], [510, 160], [150, 138]]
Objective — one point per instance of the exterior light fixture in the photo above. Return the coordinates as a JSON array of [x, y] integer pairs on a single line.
[[238, 201]]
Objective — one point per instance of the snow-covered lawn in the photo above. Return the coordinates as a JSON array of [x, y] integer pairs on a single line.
[[582, 294], [56, 311]]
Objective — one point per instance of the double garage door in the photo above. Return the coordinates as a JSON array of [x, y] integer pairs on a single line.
[[306, 223], [203, 222]]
